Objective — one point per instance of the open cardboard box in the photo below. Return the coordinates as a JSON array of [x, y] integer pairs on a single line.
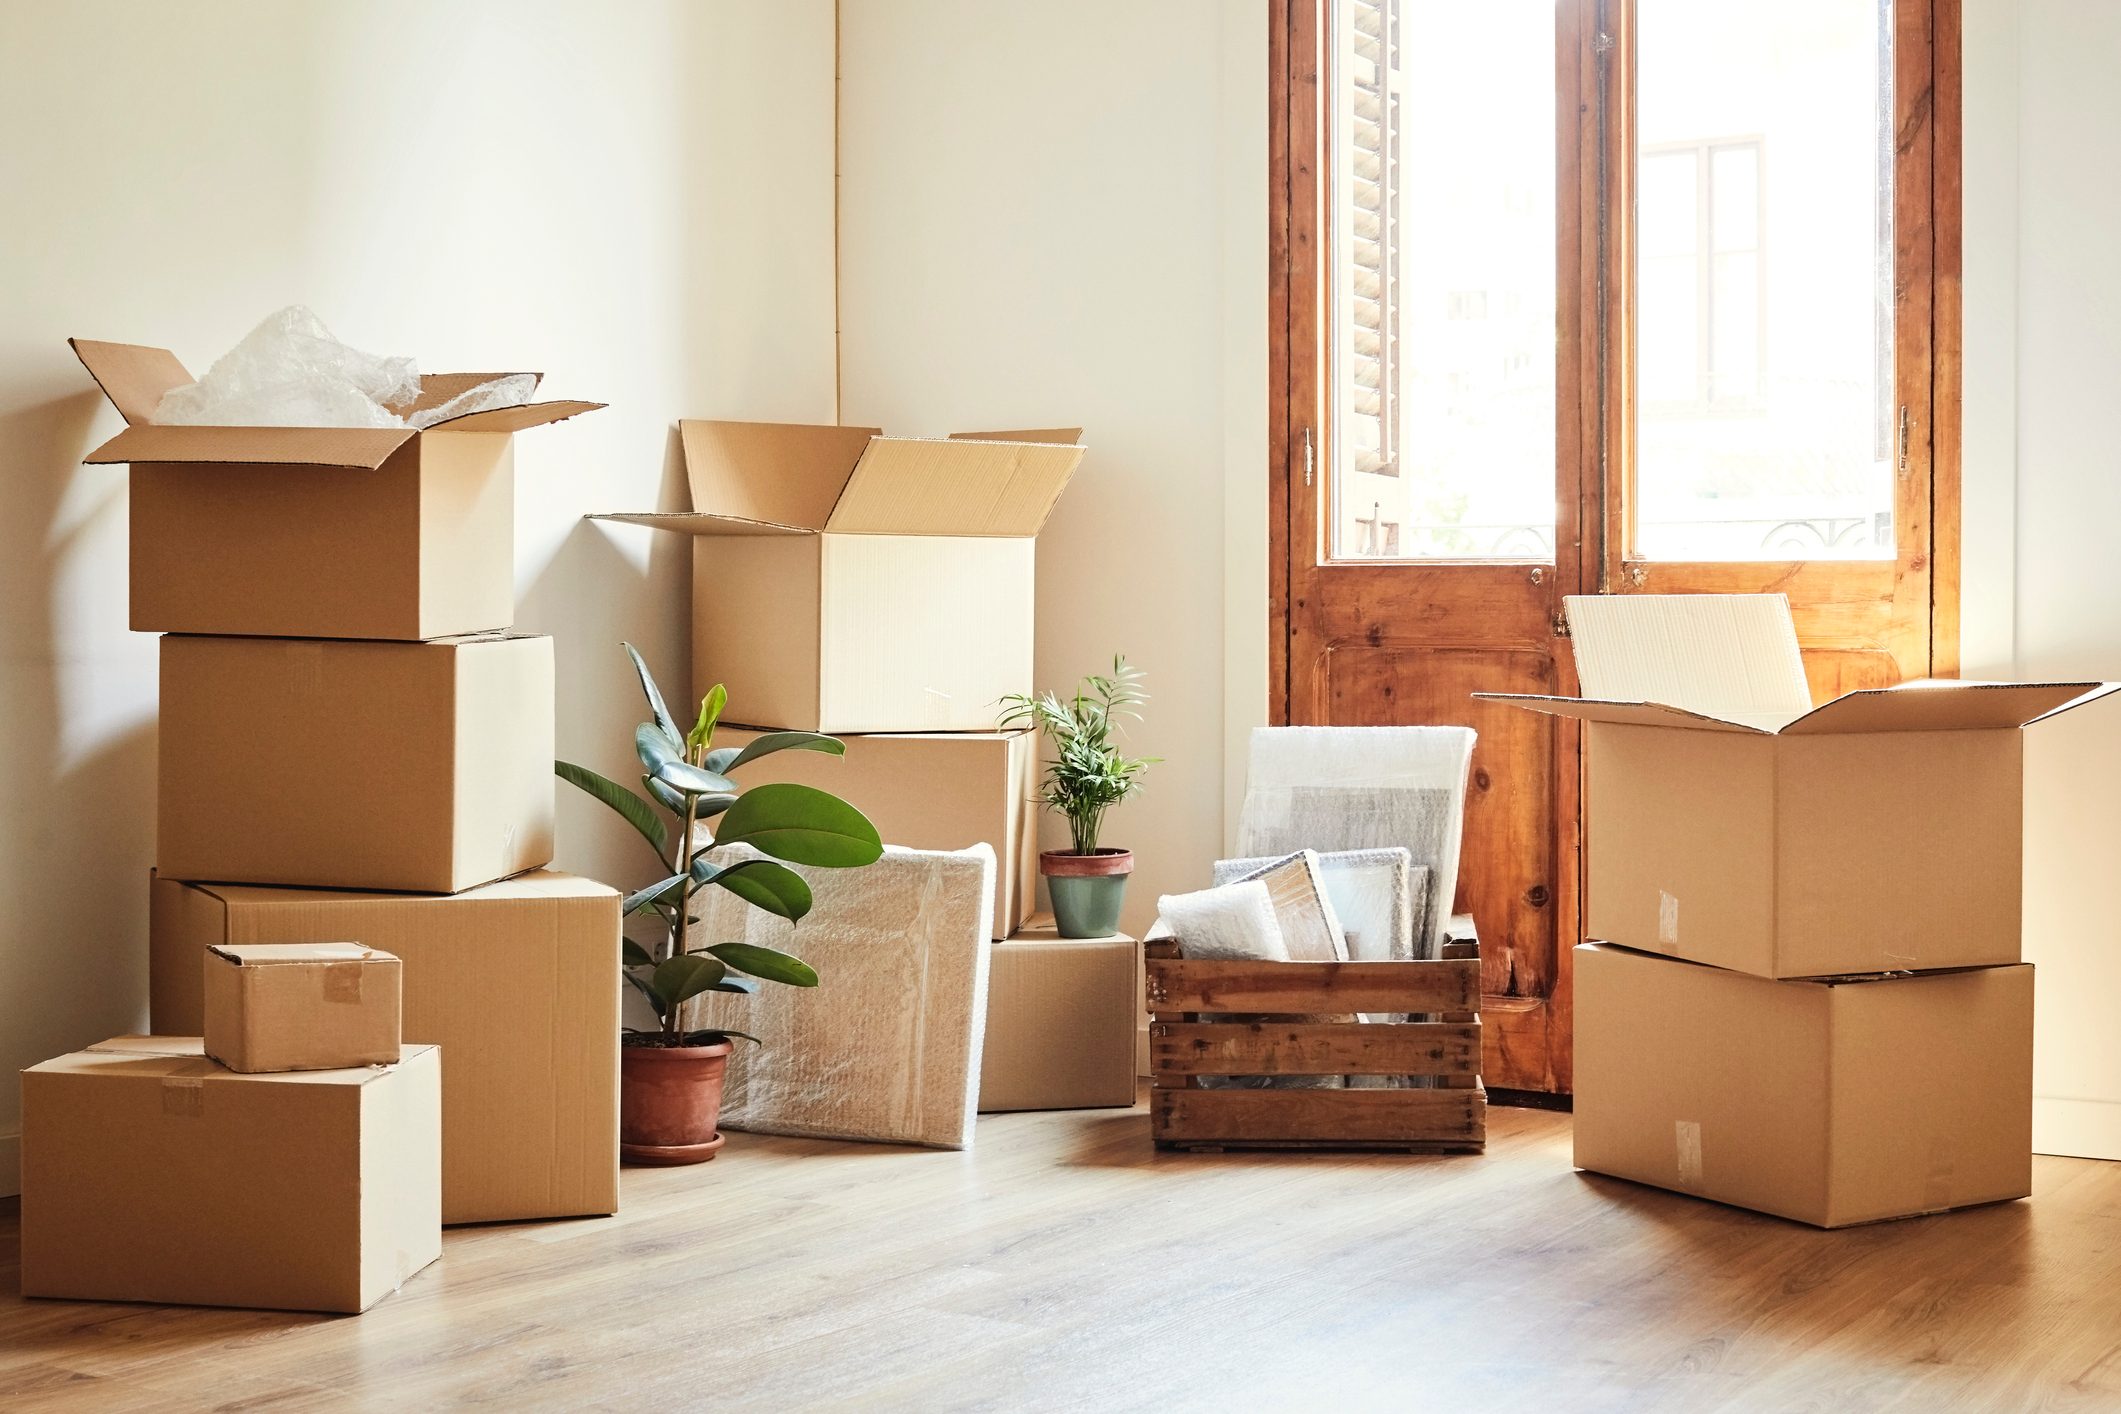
[[315, 532], [1733, 823], [845, 581]]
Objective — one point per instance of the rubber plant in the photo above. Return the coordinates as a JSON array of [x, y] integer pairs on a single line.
[[1086, 778], [693, 804]]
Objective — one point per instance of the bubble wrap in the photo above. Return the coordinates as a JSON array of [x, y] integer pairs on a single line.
[[1344, 788], [1301, 906], [887, 1046], [291, 372]]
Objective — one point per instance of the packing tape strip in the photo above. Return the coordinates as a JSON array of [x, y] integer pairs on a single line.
[[1667, 920], [342, 981], [184, 1096], [1686, 1144], [1937, 1180]]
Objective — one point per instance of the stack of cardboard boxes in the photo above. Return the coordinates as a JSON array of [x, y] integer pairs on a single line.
[[355, 748], [881, 589], [1807, 997], [291, 1157]]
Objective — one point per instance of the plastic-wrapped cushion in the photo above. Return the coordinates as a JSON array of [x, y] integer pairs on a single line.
[[1302, 907], [887, 1046], [291, 372], [1348, 788]]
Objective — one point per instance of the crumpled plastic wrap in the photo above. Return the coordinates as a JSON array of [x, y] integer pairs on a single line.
[[886, 1047], [291, 372], [1343, 788]]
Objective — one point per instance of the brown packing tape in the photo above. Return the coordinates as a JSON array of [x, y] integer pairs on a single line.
[[1686, 1146], [184, 1096], [1937, 1182], [342, 981]]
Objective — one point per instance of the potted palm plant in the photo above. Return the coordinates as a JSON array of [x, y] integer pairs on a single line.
[[670, 1078], [1086, 778]]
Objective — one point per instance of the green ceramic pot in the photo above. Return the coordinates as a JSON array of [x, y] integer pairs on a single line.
[[1087, 890]]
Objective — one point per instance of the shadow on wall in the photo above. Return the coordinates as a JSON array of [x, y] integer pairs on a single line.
[[77, 781], [591, 597]]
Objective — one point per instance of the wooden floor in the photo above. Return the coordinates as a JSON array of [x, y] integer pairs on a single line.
[[1064, 1265]]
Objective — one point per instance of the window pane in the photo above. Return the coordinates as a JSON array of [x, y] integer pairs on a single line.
[[1443, 263], [1764, 333]]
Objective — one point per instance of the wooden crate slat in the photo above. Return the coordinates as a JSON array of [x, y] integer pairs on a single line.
[[1298, 1048], [1305, 988], [1349, 1117]]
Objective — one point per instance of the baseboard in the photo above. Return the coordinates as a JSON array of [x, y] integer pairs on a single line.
[[2078, 1129], [10, 1165]]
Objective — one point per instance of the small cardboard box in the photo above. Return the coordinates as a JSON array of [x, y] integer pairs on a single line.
[[300, 1006], [932, 790], [1832, 1102], [364, 765], [1061, 1021], [844, 581], [1731, 822], [315, 532], [149, 1173], [518, 982]]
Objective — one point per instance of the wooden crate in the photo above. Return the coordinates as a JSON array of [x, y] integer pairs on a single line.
[[1282, 1035]]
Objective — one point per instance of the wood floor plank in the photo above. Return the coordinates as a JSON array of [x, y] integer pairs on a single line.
[[1065, 1264]]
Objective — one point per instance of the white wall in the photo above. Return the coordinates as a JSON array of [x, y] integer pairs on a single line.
[[635, 198], [2043, 499], [1054, 215]]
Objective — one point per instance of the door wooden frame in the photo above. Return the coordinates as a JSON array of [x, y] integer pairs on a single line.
[[1594, 120]]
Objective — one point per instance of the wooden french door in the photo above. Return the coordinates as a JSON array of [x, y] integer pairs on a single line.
[[1468, 317]]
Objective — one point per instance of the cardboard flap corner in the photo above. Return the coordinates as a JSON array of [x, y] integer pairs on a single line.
[[133, 376], [520, 418], [771, 478], [954, 486], [1945, 706], [1058, 436]]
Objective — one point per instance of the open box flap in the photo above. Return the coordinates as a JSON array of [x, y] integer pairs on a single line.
[[1060, 436], [515, 419], [133, 376], [1639, 714], [438, 388], [953, 486], [697, 523], [1946, 706], [1729, 656], [274, 954], [785, 475], [364, 448]]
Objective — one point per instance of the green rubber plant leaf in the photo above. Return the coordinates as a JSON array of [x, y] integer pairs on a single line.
[[702, 734], [774, 887], [693, 780], [769, 963], [736, 984], [653, 693], [632, 954], [730, 757], [644, 900], [656, 747], [672, 800], [681, 978], [740, 1035], [802, 826], [638, 812]]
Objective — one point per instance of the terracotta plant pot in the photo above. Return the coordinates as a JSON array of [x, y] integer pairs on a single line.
[[1087, 889], [670, 1102]]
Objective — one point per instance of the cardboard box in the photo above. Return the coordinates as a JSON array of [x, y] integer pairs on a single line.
[[369, 765], [844, 581], [149, 1173], [518, 982], [300, 1006], [1831, 1102], [1731, 822], [932, 790], [1061, 1021], [315, 532]]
